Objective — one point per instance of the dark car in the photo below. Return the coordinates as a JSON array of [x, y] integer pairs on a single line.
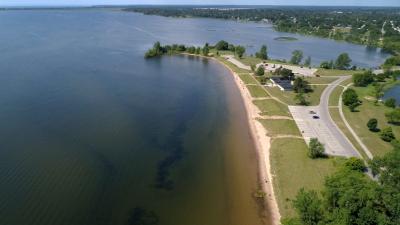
[[315, 117]]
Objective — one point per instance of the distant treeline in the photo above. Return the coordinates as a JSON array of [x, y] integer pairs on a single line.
[[378, 27]]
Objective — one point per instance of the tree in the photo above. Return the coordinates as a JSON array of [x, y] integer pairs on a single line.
[[378, 92], [286, 74], [390, 102], [393, 116], [356, 164], [308, 61], [343, 61], [198, 50], [206, 49], [240, 50], [260, 71], [372, 124], [350, 99], [363, 79], [262, 54], [301, 85], [308, 205], [387, 134], [316, 149], [222, 45], [157, 50], [297, 56], [301, 99]]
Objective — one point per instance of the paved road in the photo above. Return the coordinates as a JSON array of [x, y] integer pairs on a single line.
[[336, 143], [236, 62]]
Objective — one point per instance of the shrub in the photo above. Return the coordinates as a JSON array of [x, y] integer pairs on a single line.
[[316, 149], [222, 45], [260, 71], [391, 102], [350, 99], [387, 134], [393, 116], [354, 163], [372, 124], [363, 79]]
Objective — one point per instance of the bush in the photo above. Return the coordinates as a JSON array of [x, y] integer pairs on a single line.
[[316, 149], [222, 45], [387, 134], [372, 124], [260, 71], [391, 102], [393, 116], [355, 164]]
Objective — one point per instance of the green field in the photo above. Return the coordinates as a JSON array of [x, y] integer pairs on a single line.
[[333, 72], [247, 79], [270, 107], [366, 111], [257, 91], [320, 80], [292, 169], [334, 98], [278, 127]]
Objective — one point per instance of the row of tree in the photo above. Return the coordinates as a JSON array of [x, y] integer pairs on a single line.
[[342, 63]]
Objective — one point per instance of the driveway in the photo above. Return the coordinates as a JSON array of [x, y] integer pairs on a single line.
[[323, 128]]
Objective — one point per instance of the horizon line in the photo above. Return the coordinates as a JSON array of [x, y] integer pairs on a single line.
[[139, 4]]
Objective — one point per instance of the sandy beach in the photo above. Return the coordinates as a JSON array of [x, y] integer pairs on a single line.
[[262, 144]]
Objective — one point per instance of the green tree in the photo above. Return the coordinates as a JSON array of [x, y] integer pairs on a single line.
[[260, 71], [240, 50], [350, 99], [372, 124], [343, 61], [262, 54], [387, 134], [297, 56], [198, 51], [315, 149], [286, 74], [363, 79], [378, 92], [309, 207], [301, 85], [301, 99], [222, 45], [206, 49], [308, 61], [390, 102], [393, 116]]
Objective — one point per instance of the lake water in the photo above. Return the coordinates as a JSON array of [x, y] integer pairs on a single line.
[[91, 133]]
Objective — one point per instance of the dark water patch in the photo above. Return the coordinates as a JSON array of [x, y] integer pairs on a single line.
[[141, 216]]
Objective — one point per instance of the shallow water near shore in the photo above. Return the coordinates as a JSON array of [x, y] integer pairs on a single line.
[[91, 133]]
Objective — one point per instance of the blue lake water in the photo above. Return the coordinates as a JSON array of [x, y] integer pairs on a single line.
[[92, 133]]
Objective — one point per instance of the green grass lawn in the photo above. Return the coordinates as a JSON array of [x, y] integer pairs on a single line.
[[247, 79], [358, 121], [325, 72], [334, 98], [257, 91], [320, 80], [292, 169], [288, 96], [270, 107], [248, 60], [277, 127]]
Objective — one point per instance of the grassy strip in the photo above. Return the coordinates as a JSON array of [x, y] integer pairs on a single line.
[[320, 80], [292, 169], [247, 79], [257, 91], [326, 72], [334, 98], [271, 107], [277, 127]]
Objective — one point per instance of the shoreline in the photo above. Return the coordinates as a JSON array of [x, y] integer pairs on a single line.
[[261, 142]]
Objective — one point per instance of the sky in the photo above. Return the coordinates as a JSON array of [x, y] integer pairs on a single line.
[[202, 2]]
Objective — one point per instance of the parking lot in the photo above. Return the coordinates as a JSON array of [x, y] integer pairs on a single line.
[[323, 128]]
